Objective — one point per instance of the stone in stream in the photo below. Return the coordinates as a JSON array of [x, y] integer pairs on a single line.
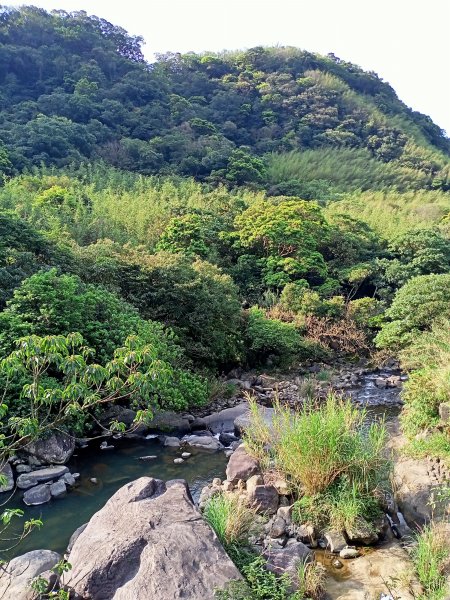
[[16, 575], [23, 469], [349, 552], [7, 473], [149, 457], [202, 441], [172, 442], [68, 479], [223, 421], [58, 489], [186, 455], [335, 541], [286, 560], [28, 480], [241, 465], [55, 449], [39, 494], [178, 461], [362, 532], [149, 541]]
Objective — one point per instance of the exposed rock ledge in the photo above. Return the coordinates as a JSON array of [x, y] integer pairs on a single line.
[[149, 541]]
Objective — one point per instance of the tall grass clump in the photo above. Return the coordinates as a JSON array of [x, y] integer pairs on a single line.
[[328, 454], [431, 561], [231, 519]]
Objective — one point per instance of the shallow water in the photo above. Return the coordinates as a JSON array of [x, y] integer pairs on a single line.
[[113, 469]]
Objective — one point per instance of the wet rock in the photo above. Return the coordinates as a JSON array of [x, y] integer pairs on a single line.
[[202, 441], [264, 499], [40, 494], [55, 449], [186, 455], [149, 541], [172, 442], [28, 480], [178, 461], [227, 438], [105, 446], [7, 472], [241, 465], [349, 552], [16, 575], [335, 541], [58, 489], [22, 468], [94, 480], [336, 563]]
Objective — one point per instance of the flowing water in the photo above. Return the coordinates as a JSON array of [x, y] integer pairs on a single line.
[[112, 469]]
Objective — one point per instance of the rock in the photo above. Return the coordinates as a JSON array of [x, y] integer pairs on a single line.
[[94, 480], [278, 527], [105, 446], [241, 465], [216, 482], [168, 420], [366, 576], [263, 498], [380, 382], [282, 487], [7, 473], [242, 422], [69, 479], [58, 489], [349, 552], [178, 461], [286, 559], [413, 488], [114, 412], [23, 469], [149, 457], [444, 412], [306, 534], [202, 441], [228, 486], [55, 449], [335, 541], [16, 575], [74, 536], [253, 482], [336, 563], [172, 442], [186, 455], [149, 541], [28, 480], [227, 438], [40, 494], [285, 512], [223, 421], [362, 533]]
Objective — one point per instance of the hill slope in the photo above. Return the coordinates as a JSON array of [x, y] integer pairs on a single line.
[[74, 88]]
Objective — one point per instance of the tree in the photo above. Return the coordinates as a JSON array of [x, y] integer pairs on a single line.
[[415, 307], [287, 233]]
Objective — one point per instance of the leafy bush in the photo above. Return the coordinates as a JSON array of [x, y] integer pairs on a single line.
[[414, 308], [271, 337]]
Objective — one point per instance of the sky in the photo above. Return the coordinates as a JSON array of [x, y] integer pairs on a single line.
[[407, 42]]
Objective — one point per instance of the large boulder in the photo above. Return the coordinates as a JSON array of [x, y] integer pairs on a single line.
[[263, 498], [7, 473], [202, 441], [243, 421], [15, 576], [28, 480], [286, 560], [414, 485], [223, 420], [149, 541], [241, 465], [55, 449], [168, 420]]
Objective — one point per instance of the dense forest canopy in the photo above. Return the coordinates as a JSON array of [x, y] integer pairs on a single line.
[[75, 87]]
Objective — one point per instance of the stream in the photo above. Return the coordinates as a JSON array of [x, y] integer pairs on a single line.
[[114, 468]]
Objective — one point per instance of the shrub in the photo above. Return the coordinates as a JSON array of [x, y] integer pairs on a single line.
[[414, 308], [266, 337]]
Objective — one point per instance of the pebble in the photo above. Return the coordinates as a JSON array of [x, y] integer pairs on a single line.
[[186, 455], [93, 480], [336, 563], [178, 461], [349, 552], [149, 457]]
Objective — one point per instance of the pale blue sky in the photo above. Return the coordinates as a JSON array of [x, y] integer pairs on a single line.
[[407, 42]]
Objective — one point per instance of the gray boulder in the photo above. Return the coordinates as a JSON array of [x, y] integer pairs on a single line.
[[54, 449], [28, 480], [168, 420], [285, 560], [40, 494], [15, 576], [241, 465], [335, 541], [75, 535], [7, 472], [362, 533], [223, 420], [202, 441], [172, 442], [149, 541], [264, 499], [58, 489], [242, 422]]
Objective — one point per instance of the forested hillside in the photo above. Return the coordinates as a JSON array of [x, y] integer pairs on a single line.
[[162, 224]]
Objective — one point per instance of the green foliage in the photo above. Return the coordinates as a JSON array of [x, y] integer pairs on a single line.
[[430, 556], [328, 453], [271, 337], [414, 308], [231, 519]]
